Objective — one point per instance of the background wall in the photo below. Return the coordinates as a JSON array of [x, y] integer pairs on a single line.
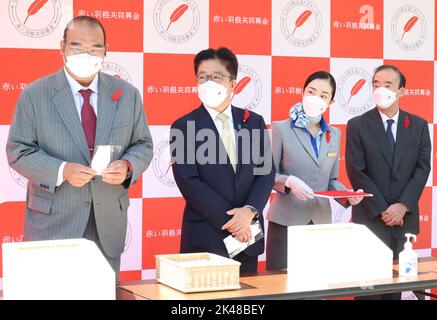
[[278, 42]]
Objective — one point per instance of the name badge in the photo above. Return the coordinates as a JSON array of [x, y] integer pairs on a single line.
[[332, 154]]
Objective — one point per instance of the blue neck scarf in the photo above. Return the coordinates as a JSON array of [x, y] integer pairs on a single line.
[[300, 118]]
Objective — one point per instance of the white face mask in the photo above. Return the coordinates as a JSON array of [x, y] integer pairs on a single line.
[[84, 65], [384, 97], [314, 106], [212, 94]]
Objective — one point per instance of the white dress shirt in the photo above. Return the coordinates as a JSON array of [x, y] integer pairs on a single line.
[[218, 124], [394, 126], [78, 101]]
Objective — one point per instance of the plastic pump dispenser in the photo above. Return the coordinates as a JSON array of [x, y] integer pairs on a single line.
[[408, 258]]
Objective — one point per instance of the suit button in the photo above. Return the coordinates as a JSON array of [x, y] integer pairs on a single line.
[[93, 179]]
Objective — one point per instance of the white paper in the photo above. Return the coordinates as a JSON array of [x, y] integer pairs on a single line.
[[234, 246], [101, 159]]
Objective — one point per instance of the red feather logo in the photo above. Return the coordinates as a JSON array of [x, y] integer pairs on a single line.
[[407, 122], [356, 88], [241, 85], [301, 19], [117, 95], [328, 136], [34, 8], [177, 14], [170, 164], [246, 115], [410, 23]]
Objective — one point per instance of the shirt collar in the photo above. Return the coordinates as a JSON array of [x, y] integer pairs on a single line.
[[385, 118], [76, 86], [323, 125], [213, 113]]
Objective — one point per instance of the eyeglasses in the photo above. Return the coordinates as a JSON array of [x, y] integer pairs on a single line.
[[94, 51], [216, 77]]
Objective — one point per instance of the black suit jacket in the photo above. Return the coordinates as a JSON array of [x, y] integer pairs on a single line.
[[371, 167], [212, 189]]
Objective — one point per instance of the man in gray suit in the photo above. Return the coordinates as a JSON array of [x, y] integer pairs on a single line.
[[58, 121]]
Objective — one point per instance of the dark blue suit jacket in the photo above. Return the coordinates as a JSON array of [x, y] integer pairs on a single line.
[[212, 189], [401, 178]]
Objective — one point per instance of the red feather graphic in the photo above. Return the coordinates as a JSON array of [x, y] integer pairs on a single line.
[[117, 95], [301, 19], [407, 122], [246, 115], [177, 13], [356, 88], [35, 7], [410, 23], [170, 164], [241, 85], [328, 136]]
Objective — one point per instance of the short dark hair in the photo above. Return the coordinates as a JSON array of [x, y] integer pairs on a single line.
[[402, 79], [224, 55], [90, 20], [324, 75]]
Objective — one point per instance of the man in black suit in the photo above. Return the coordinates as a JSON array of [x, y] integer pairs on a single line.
[[222, 163], [388, 153]]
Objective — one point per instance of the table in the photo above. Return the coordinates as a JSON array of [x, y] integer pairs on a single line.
[[274, 285]]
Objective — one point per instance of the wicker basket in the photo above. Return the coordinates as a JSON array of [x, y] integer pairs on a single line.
[[198, 272]]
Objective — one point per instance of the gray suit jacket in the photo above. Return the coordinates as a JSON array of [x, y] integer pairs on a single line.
[[294, 155], [47, 130]]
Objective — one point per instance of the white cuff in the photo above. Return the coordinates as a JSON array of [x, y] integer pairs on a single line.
[[61, 174]]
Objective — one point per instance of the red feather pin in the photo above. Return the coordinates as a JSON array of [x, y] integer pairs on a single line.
[[117, 95], [177, 14], [407, 122], [34, 8], [410, 23], [301, 19], [241, 85], [246, 115], [356, 88], [328, 136]]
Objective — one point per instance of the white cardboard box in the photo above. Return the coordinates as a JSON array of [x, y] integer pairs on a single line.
[[56, 270], [322, 255]]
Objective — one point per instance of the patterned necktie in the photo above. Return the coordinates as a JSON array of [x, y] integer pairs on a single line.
[[227, 140], [88, 119], [390, 138]]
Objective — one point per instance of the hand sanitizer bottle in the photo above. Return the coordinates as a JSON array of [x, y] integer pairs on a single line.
[[408, 258]]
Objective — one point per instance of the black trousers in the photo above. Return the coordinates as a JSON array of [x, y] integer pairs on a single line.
[[249, 264], [276, 251]]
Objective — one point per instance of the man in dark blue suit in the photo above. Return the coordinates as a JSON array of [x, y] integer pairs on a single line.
[[388, 154], [222, 164]]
